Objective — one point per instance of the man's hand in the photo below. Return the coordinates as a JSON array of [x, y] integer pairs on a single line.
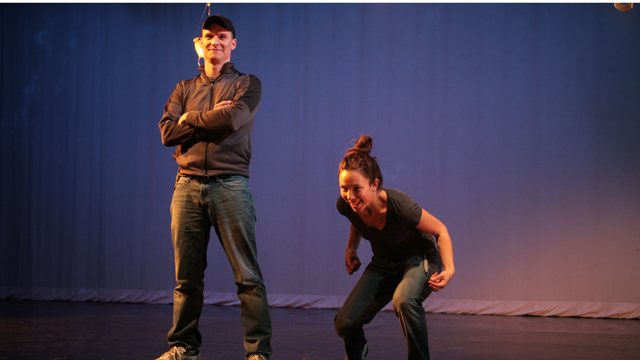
[[352, 261], [223, 104], [183, 118]]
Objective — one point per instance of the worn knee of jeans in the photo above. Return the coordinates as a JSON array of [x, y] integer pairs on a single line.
[[190, 286], [403, 305], [344, 325]]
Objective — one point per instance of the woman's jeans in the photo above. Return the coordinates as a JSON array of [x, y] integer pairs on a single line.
[[226, 204], [404, 283]]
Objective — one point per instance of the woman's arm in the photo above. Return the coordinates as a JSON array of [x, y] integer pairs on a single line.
[[429, 224], [351, 257]]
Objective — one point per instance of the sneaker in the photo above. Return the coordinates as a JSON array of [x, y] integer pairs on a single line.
[[179, 353], [365, 351], [257, 357]]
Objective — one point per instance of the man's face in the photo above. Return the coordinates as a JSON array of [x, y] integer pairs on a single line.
[[217, 44]]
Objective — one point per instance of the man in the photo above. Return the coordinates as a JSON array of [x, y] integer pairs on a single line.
[[210, 119]]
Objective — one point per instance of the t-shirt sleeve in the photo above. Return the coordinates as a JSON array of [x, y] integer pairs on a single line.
[[341, 206], [409, 212]]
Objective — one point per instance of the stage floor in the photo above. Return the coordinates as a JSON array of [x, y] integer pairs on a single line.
[[111, 331]]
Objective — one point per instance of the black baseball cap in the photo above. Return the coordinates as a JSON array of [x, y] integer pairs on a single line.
[[220, 20]]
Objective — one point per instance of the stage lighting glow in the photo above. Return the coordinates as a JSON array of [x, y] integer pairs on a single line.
[[197, 43], [623, 7]]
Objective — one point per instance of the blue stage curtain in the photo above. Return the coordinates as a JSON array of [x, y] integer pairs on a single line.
[[517, 125]]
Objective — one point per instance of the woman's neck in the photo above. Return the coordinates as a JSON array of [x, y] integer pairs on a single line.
[[378, 205]]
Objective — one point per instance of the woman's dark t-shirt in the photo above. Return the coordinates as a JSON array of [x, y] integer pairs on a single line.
[[399, 238]]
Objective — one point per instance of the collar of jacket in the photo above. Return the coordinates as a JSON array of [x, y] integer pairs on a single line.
[[226, 69]]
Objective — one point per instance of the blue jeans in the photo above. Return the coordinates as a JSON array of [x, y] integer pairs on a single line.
[[226, 205], [405, 284]]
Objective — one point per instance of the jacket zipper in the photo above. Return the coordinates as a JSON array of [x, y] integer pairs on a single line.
[[206, 148]]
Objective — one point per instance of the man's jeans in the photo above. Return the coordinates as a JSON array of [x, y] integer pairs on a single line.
[[227, 205], [383, 280]]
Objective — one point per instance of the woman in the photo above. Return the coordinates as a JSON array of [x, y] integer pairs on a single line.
[[406, 263]]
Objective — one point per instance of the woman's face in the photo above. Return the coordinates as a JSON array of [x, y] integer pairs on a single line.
[[356, 190]]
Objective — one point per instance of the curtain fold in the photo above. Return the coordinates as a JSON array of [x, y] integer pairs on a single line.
[[431, 305]]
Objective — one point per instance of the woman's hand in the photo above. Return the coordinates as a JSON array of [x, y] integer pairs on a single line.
[[431, 225], [440, 280], [352, 261]]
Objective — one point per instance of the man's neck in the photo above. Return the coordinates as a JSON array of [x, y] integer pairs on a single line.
[[213, 70]]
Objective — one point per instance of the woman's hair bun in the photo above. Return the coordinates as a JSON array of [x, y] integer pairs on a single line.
[[362, 147], [358, 158]]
